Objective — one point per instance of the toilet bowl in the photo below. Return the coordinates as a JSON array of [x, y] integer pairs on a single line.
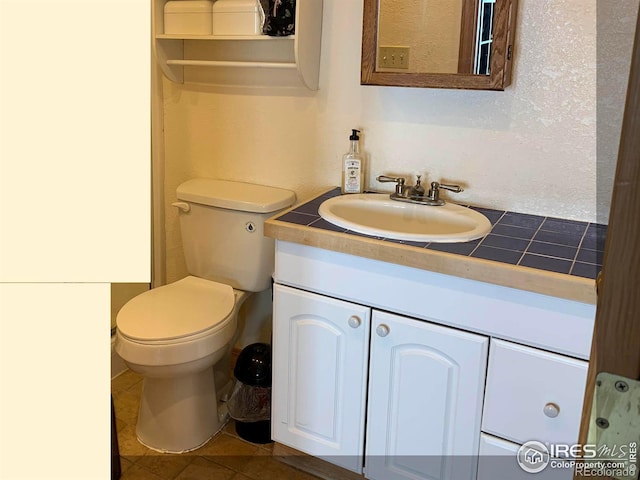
[[180, 336], [173, 336]]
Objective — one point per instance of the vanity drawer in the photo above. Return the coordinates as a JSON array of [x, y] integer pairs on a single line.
[[526, 388], [498, 459]]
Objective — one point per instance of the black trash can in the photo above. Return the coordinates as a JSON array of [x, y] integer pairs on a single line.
[[250, 402]]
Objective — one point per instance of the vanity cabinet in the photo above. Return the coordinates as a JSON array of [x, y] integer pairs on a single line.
[[242, 60], [424, 391], [461, 368]]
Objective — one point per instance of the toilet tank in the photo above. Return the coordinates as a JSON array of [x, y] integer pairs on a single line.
[[222, 230]]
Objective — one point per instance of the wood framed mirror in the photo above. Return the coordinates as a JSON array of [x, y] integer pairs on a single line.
[[460, 44]]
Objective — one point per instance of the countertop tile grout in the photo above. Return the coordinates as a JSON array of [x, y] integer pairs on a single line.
[[503, 214]]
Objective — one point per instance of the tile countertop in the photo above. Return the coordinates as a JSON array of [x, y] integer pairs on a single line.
[[545, 255]]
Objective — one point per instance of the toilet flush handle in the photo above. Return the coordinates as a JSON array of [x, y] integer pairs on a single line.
[[183, 206]]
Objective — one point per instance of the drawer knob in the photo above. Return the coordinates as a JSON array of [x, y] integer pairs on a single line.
[[551, 410], [382, 330], [354, 321]]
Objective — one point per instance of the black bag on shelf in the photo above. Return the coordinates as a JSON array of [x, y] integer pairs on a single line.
[[280, 19]]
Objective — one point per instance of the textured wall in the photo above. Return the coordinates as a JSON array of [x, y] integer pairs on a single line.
[[531, 148]]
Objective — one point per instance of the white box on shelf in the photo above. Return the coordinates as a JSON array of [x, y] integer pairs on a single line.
[[237, 17], [188, 17]]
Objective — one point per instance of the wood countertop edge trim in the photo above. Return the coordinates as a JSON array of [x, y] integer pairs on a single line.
[[522, 278]]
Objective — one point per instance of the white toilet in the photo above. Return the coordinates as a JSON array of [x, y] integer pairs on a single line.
[[180, 336]]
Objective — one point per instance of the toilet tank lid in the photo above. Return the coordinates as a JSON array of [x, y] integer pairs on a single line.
[[245, 197]]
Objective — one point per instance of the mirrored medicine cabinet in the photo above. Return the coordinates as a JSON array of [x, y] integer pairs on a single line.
[[457, 44]]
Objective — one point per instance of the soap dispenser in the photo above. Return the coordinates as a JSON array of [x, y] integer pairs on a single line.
[[353, 166]]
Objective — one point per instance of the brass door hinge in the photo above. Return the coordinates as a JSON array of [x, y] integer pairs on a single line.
[[614, 429]]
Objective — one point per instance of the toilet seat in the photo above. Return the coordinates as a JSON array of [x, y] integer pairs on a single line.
[[178, 312], [178, 323]]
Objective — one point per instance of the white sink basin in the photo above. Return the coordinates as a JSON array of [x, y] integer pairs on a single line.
[[376, 214]]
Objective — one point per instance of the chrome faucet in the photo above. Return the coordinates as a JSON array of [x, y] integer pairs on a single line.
[[403, 190], [416, 193]]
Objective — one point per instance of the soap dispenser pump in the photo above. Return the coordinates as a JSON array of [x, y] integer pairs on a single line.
[[353, 166]]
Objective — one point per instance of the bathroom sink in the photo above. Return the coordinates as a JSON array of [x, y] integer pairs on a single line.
[[376, 214]]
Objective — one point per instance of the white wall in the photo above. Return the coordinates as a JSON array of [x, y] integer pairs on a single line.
[[531, 148]]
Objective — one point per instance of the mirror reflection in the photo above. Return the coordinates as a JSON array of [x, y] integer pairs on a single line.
[[435, 36]]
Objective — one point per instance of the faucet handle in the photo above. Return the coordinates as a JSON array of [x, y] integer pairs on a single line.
[[451, 188], [399, 181], [434, 192], [384, 179]]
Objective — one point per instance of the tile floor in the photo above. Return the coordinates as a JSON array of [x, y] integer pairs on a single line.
[[225, 457]]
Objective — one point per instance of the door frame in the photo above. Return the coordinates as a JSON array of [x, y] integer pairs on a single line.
[[615, 347]]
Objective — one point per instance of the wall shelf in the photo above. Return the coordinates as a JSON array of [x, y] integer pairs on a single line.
[[266, 38], [220, 63], [243, 60]]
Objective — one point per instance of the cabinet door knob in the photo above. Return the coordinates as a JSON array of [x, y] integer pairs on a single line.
[[354, 321], [382, 330], [551, 410]]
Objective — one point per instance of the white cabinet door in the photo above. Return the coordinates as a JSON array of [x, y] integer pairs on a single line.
[[425, 400], [320, 360]]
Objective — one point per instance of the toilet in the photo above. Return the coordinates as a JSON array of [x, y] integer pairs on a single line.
[[180, 336]]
